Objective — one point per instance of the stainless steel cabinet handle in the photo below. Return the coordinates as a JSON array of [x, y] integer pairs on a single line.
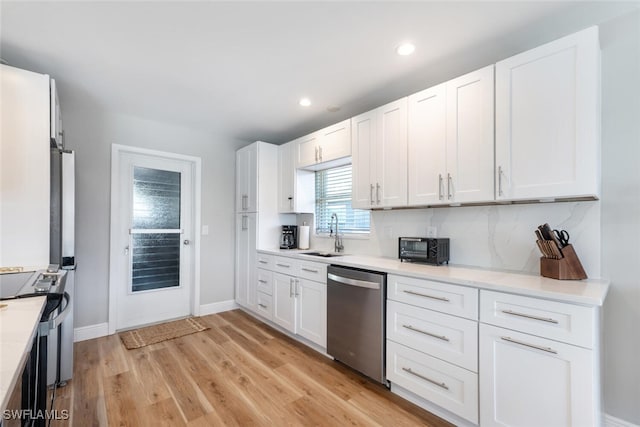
[[262, 305], [296, 286], [290, 202], [283, 265], [439, 384], [371, 194], [440, 337], [244, 222], [291, 287], [245, 202], [320, 150], [261, 261], [427, 296], [500, 192], [449, 187], [529, 316], [310, 270], [440, 196], [262, 281], [377, 193], [316, 154], [537, 347]]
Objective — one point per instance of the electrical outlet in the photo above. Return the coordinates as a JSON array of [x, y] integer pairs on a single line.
[[432, 231]]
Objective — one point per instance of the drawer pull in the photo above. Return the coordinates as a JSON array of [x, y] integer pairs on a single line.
[[537, 347], [261, 261], [310, 270], [528, 316], [440, 337], [427, 296], [262, 281], [262, 305], [283, 265], [443, 385]]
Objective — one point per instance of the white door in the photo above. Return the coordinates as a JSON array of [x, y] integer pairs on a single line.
[[154, 232], [363, 140], [312, 311], [284, 301], [391, 155]]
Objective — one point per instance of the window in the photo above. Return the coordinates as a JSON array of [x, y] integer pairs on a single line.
[[333, 195]]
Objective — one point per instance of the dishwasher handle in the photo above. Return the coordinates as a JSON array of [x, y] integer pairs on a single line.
[[353, 282]]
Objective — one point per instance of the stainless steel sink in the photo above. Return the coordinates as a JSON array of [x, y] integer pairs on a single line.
[[322, 254]]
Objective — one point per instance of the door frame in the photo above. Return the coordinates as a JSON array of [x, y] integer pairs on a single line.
[[114, 251]]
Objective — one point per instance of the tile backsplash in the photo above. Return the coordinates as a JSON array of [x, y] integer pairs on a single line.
[[498, 236]]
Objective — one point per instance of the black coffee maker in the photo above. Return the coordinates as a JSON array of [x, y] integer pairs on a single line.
[[289, 237]]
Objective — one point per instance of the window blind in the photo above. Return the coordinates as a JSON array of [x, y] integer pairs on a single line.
[[333, 195]]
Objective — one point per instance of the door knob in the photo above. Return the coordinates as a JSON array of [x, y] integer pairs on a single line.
[[186, 242]]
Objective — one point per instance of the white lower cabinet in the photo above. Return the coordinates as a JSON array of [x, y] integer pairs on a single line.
[[449, 386], [294, 296], [284, 301], [312, 311], [526, 380]]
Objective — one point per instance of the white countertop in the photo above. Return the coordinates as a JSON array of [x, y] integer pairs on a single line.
[[18, 326], [590, 292]]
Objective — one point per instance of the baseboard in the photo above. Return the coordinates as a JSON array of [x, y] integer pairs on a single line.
[[218, 307], [611, 421], [90, 332]]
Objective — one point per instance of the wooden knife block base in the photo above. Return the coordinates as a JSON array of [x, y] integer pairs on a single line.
[[567, 268]]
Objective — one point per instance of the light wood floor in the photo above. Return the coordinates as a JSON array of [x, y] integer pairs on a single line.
[[240, 372]]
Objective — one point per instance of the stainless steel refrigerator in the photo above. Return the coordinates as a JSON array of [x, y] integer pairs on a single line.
[[62, 252]]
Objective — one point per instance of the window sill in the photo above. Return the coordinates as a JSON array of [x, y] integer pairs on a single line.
[[358, 236]]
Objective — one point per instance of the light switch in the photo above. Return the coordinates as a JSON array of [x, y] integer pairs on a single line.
[[205, 230]]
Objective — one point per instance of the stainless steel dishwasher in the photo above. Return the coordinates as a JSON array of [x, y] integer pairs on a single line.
[[356, 319]]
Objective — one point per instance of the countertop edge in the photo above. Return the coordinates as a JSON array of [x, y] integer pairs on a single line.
[[594, 291]]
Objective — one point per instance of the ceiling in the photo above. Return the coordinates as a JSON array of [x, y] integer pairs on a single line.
[[238, 69]]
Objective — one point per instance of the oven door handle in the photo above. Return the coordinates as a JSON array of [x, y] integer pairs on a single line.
[[56, 321]]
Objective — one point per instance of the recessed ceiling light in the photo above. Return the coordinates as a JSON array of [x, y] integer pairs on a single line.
[[304, 102], [406, 49]]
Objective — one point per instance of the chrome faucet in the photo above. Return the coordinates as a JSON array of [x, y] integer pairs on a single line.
[[337, 245]]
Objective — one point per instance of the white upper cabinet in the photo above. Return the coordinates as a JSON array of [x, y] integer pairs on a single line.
[[379, 150], [450, 147], [547, 120], [470, 137], [295, 187], [326, 145], [427, 143], [247, 179]]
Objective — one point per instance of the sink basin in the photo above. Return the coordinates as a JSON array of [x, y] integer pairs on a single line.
[[322, 254]]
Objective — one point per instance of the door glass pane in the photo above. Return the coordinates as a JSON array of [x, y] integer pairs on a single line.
[[155, 261], [156, 199], [155, 257]]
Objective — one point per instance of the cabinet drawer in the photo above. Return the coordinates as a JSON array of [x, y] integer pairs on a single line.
[[265, 305], [285, 265], [558, 321], [265, 281], [446, 337], [442, 383], [265, 261], [315, 271], [450, 299]]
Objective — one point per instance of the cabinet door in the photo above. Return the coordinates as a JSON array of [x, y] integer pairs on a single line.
[[335, 141], [547, 121], [470, 137], [312, 311], [363, 141], [391, 155], [247, 179], [427, 154], [284, 301], [245, 260], [307, 149], [531, 381], [286, 173]]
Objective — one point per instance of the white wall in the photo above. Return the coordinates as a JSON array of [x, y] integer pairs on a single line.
[[90, 132]]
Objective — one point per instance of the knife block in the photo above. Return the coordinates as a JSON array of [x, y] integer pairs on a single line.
[[567, 268]]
